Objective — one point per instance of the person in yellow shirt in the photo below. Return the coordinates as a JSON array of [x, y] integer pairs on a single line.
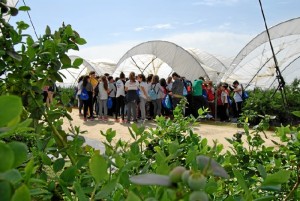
[[93, 79], [94, 82]]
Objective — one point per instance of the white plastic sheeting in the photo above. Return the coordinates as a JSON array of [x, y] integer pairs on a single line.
[[213, 66], [72, 74], [144, 64], [179, 59], [254, 65]]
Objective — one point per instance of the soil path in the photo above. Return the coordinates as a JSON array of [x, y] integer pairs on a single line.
[[210, 130]]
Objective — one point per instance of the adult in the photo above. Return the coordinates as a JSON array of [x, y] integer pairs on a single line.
[[87, 104], [102, 98], [198, 99], [237, 96], [144, 97], [94, 83], [176, 90], [112, 94], [80, 102], [131, 87], [224, 98], [158, 91], [120, 97]]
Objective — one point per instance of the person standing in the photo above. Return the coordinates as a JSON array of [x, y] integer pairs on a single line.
[[131, 87], [94, 83], [237, 96], [158, 91], [80, 102], [177, 90], [87, 104], [224, 98], [198, 99], [102, 98], [120, 97], [112, 94], [144, 97]]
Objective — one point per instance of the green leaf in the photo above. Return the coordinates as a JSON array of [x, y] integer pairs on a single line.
[[65, 99], [119, 161], [79, 192], [13, 176], [7, 157], [69, 174], [110, 134], [266, 198], [14, 11], [24, 8], [261, 169], [77, 62], [22, 194], [296, 113], [20, 152], [46, 160], [106, 190], [80, 41], [132, 197], [68, 30], [65, 60], [241, 181], [134, 148], [98, 167], [58, 164], [10, 107], [14, 55], [29, 170], [151, 179], [279, 177], [48, 30], [210, 164], [5, 190]]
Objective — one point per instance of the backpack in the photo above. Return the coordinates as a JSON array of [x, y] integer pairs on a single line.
[[244, 93], [109, 102], [84, 94], [152, 93], [166, 102], [188, 87]]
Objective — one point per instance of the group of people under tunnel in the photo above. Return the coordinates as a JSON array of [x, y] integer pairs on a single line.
[[137, 98]]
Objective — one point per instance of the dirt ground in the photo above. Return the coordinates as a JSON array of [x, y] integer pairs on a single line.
[[210, 130]]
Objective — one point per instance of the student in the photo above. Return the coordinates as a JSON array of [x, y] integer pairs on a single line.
[[102, 98], [144, 97], [112, 94], [177, 90], [237, 89], [87, 104], [120, 97], [131, 87]]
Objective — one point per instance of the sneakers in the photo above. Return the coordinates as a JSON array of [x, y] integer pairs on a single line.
[[117, 120], [84, 119]]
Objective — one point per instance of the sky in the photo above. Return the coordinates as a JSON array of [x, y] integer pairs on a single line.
[[112, 27]]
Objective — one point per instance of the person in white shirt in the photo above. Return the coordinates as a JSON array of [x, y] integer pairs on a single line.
[[237, 98], [143, 95], [159, 94], [120, 97], [132, 98], [102, 98], [80, 102]]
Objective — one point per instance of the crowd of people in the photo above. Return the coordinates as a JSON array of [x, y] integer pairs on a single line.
[[139, 98]]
